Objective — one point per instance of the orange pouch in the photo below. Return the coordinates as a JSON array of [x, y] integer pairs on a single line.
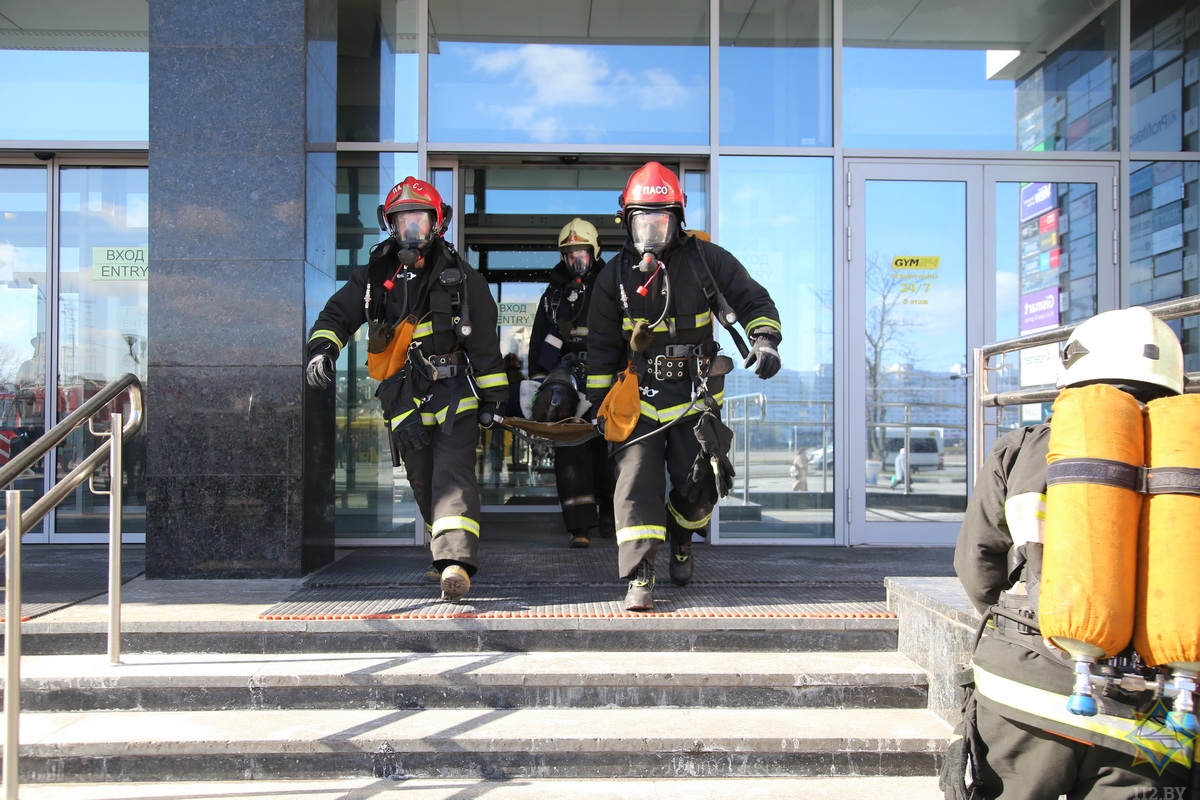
[[622, 407], [387, 350]]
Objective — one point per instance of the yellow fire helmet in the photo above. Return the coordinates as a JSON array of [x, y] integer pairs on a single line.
[[1129, 345], [579, 233]]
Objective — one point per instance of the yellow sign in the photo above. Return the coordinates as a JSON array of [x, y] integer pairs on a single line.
[[119, 264], [916, 262]]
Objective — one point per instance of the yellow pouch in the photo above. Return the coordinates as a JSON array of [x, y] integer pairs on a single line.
[[387, 351], [622, 407]]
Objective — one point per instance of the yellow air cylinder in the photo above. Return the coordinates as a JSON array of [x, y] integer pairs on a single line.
[[1089, 565], [1167, 621]]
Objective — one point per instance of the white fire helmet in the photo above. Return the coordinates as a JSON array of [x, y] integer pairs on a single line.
[[1127, 346]]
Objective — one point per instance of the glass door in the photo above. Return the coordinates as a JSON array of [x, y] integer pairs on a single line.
[[942, 259]]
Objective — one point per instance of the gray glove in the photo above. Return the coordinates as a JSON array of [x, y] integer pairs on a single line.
[[321, 359], [764, 356]]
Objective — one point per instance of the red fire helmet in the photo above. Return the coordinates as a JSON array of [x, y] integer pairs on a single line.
[[652, 186], [412, 194]]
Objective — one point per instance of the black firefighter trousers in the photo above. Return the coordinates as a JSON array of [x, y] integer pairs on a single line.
[[1021, 762], [583, 475], [442, 476], [643, 521]]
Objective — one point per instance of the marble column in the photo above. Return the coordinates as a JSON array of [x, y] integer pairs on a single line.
[[242, 198]]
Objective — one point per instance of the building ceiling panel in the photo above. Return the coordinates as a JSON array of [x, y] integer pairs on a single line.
[[966, 24], [75, 25]]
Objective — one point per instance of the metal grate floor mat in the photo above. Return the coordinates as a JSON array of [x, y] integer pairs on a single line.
[[539, 581], [57, 576]]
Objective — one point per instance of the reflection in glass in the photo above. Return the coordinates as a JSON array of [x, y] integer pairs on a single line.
[[23, 308], [97, 96], [373, 499], [512, 214], [775, 217], [585, 73], [377, 71], [914, 80], [1046, 257], [915, 254], [102, 323], [1164, 215], [512, 471], [776, 73], [1164, 95]]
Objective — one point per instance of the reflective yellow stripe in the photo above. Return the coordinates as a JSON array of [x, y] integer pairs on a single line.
[[392, 422], [636, 532], [494, 379], [684, 522], [600, 381], [1145, 734], [323, 334], [467, 524], [422, 330], [581, 500], [1026, 517], [698, 321], [763, 322], [438, 417], [580, 331]]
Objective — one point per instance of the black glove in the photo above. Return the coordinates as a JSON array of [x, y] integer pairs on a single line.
[[712, 472], [764, 356], [409, 433], [489, 413], [321, 359]]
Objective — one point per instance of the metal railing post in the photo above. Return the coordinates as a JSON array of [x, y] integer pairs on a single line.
[[115, 502], [12, 644]]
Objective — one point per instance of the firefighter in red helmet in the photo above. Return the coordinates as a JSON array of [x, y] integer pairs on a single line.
[[434, 348], [651, 320]]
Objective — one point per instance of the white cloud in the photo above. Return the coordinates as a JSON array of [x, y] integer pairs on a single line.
[[559, 80]]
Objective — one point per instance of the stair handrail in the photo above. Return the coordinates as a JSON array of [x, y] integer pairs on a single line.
[[982, 367], [18, 522], [56, 435]]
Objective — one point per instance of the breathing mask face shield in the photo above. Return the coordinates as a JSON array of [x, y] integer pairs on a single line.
[[652, 231], [413, 230], [578, 261]]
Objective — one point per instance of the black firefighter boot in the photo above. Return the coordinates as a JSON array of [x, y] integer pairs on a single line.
[[640, 596], [681, 558]]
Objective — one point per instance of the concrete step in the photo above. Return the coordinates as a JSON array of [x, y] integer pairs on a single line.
[[83, 629], [479, 743], [857, 788], [474, 680]]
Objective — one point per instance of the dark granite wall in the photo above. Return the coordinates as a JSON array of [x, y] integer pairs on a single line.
[[242, 198]]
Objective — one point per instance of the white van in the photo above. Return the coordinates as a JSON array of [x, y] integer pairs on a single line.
[[926, 448]]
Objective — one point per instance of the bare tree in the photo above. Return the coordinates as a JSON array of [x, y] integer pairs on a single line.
[[10, 363], [886, 343]]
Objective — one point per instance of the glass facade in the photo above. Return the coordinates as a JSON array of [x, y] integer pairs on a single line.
[[809, 146], [586, 73]]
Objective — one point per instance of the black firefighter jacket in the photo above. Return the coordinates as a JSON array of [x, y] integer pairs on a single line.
[[689, 320], [560, 325], [435, 305], [999, 551]]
